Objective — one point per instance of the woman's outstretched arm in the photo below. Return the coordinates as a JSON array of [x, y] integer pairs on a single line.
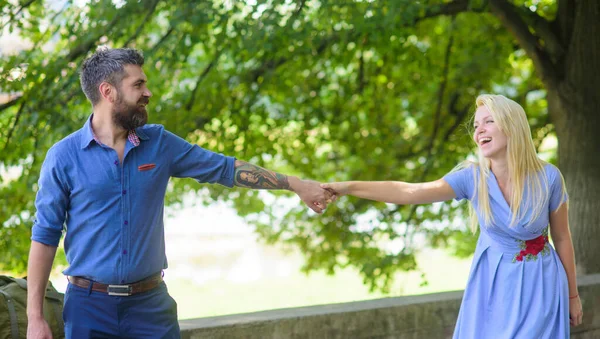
[[395, 192]]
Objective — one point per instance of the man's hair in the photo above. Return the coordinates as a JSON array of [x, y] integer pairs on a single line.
[[106, 65]]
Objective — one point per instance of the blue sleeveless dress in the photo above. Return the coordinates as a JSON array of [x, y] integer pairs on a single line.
[[512, 293]]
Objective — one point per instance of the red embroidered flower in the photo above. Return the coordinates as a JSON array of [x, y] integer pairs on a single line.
[[533, 247]]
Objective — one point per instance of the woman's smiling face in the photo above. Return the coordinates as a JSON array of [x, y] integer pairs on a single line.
[[488, 136]]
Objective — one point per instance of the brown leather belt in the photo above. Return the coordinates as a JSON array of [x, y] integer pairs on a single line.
[[120, 290]]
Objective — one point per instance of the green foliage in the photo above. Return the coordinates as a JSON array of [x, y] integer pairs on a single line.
[[365, 90]]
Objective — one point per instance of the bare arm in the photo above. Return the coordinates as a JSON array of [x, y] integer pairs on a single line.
[[561, 236], [251, 176], [41, 257], [395, 192]]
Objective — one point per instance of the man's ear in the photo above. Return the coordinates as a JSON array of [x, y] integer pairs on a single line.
[[107, 91]]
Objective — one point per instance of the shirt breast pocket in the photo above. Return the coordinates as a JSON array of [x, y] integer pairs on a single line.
[[147, 173], [150, 178], [146, 167]]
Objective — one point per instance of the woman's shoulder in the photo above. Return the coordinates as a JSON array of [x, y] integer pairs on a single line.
[[551, 170], [467, 165], [466, 171]]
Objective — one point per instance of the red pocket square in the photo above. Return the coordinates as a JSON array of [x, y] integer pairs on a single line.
[[146, 167]]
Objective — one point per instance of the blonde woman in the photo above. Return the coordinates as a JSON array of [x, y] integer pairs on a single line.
[[519, 285]]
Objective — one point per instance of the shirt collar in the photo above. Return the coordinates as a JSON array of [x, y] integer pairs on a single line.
[[140, 133], [134, 136], [87, 134]]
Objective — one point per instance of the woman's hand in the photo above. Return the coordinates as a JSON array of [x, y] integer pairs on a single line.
[[575, 311]]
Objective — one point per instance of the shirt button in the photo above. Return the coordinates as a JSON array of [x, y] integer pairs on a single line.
[[124, 251], [124, 191], [116, 162], [126, 222]]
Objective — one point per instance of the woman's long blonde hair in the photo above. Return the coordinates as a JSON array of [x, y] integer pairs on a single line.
[[523, 163]]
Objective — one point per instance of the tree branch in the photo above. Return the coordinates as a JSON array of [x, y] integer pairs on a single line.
[[144, 21], [361, 74], [451, 8], [299, 8], [441, 91], [86, 46], [203, 75], [56, 120], [59, 12], [25, 5], [540, 140], [271, 65], [10, 103], [40, 40], [508, 15], [544, 30], [14, 126], [437, 120], [13, 16], [453, 110], [436, 123], [460, 117], [163, 38]]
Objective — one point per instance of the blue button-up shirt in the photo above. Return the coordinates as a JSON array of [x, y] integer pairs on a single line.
[[113, 212]]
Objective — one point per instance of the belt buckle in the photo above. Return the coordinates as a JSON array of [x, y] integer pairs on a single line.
[[119, 290]]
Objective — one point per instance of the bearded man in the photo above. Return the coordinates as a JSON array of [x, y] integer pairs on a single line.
[[104, 187]]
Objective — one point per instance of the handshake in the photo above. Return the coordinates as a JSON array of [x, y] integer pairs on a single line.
[[317, 195]]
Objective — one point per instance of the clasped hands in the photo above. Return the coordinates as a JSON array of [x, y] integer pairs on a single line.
[[316, 195]]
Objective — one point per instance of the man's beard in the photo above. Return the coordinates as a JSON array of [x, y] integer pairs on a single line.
[[129, 116]]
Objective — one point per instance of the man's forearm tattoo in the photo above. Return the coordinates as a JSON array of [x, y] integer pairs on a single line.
[[252, 176]]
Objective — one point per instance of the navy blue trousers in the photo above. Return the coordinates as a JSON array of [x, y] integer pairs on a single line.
[[90, 314]]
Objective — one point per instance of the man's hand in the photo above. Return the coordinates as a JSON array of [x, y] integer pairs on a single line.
[[312, 194], [37, 328]]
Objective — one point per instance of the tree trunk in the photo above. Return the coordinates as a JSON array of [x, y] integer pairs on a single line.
[[574, 106], [579, 161]]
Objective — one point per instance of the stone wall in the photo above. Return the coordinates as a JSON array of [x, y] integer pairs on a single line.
[[424, 316]]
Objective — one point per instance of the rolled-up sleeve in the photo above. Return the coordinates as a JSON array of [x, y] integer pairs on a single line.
[[51, 202], [193, 161]]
